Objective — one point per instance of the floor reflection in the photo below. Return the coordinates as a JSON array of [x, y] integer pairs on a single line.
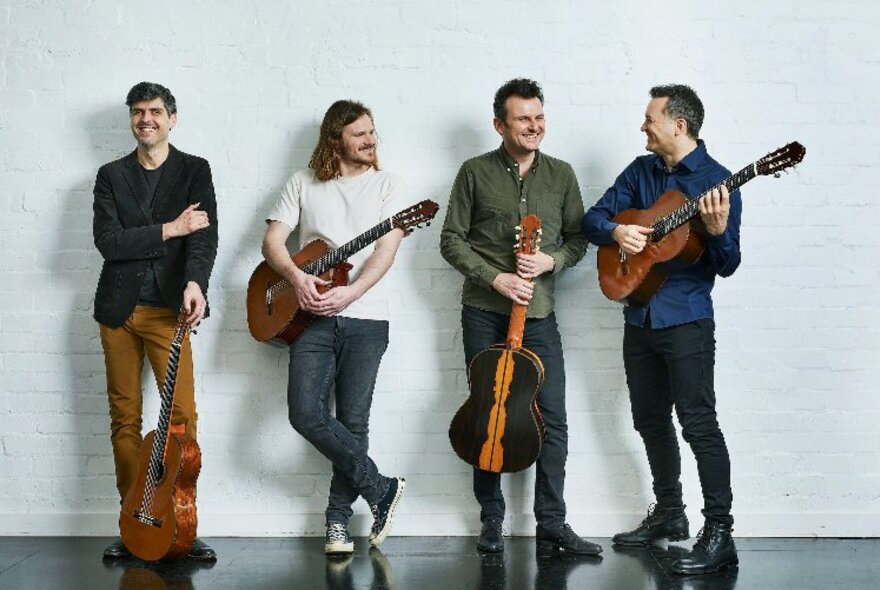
[[339, 576], [551, 572], [160, 575], [656, 560]]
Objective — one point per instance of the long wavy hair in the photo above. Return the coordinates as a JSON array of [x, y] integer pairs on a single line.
[[325, 158]]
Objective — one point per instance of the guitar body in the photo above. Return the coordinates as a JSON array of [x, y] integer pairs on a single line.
[[642, 275], [275, 316], [171, 529], [499, 427]]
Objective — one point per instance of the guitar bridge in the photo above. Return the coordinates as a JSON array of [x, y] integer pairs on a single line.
[[140, 516], [624, 265], [269, 297]]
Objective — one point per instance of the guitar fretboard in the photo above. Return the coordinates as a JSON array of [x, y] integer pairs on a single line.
[[156, 468], [668, 223]]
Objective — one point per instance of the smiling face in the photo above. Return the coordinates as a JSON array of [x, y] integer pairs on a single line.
[[150, 122], [661, 130], [523, 126], [357, 147]]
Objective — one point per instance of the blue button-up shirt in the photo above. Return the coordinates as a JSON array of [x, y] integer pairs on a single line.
[[686, 295]]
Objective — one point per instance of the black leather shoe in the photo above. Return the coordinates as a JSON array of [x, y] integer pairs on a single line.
[[564, 539], [201, 551], [659, 524], [491, 539], [117, 550], [714, 550]]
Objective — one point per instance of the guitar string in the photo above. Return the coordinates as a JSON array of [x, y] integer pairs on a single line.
[[666, 224], [333, 257], [153, 469]]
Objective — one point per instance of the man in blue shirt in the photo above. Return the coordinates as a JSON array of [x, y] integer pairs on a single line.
[[669, 343]]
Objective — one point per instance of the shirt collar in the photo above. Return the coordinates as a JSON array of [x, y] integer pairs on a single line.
[[690, 162], [512, 164]]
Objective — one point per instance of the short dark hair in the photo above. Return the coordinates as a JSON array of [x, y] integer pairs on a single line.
[[148, 91], [683, 104], [521, 87]]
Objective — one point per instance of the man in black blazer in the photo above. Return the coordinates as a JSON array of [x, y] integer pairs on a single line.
[[155, 224]]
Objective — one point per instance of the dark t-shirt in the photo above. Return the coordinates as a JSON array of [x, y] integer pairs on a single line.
[[150, 293]]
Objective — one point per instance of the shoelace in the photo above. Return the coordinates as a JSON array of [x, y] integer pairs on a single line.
[[703, 538], [651, 509], [337, 532]]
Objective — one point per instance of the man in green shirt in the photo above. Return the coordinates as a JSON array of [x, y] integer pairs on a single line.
[[492, 192]]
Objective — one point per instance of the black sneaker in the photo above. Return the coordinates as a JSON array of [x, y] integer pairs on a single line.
[[338, 541], [383, 512], [661, 523]]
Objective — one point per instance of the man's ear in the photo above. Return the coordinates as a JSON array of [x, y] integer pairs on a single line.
[[499, 125]]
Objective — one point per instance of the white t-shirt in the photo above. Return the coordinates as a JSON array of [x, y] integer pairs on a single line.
[[337, 211]]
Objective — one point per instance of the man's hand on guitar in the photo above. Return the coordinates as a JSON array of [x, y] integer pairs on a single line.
[[335, 300], [514, 287], [530, 266], [306, 288], [714, 211], [632, 239], [194, 303]]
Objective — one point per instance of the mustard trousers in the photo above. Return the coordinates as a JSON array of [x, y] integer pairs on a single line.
[[148, 330]]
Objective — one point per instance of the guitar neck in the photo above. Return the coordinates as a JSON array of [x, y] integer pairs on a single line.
[[517, 326], [668, 223], [157, 454], [344, 252]]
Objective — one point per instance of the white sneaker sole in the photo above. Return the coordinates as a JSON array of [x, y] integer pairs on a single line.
[[376, 539], [339, 548]]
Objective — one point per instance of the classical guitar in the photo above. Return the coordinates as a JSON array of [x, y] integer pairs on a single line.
[[499, 427], [674, 242], [273, 311], [158, 516]]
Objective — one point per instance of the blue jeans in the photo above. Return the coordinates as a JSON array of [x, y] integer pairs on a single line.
[[674, 368], [341, 353], [482, 329]]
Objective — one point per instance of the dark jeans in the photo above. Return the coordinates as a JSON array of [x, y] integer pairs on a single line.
[[345, 353], [674, 367], [482, 329]]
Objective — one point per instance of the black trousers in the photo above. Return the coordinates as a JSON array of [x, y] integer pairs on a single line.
[[674, 368]]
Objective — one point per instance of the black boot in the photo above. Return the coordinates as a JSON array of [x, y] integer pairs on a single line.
[[714, 550], [491, 539], [564, 539], [661, 523]]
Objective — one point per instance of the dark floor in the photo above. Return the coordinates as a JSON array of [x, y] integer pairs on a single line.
[[426, 563]]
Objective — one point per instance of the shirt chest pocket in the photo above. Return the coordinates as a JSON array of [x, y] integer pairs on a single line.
[[496, 211], [550, 209]]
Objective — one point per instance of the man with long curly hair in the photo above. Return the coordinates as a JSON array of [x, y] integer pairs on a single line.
[[341, 195]]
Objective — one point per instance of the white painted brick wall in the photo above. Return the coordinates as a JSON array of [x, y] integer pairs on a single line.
[[798, 328]]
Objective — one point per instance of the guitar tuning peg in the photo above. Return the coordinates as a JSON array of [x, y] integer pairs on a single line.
[[517, 228]]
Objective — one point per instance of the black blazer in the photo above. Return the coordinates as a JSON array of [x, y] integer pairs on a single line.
[[128, 233]]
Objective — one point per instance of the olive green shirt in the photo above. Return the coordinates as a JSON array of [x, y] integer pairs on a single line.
[[487, 202]]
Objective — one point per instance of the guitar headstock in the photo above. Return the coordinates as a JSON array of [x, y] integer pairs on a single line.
[[528, 235], [782, 159], [183, 327], [415, 216]]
